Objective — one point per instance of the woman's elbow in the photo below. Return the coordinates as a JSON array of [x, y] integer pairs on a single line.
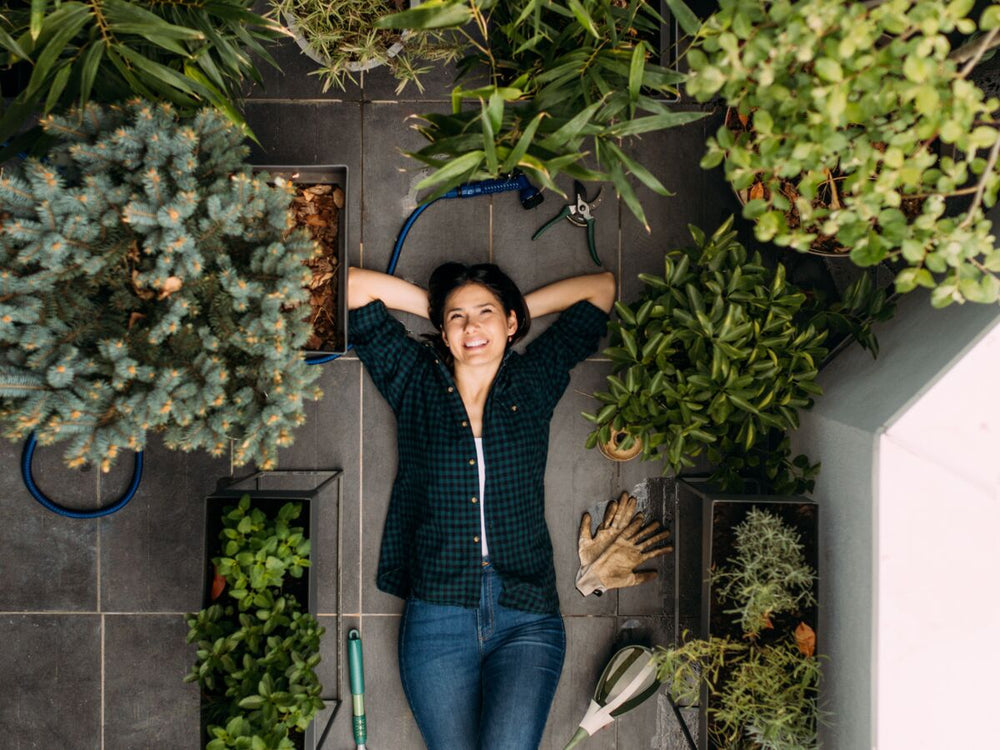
[[358, 292], [605, 290]]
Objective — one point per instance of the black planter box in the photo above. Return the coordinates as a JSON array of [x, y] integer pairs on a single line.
[[704, 522], [269, 491], [325, 174]]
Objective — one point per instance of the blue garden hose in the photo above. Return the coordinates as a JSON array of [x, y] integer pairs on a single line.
[[29, 481], [528, 193]]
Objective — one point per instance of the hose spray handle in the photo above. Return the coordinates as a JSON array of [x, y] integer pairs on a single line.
[[528, 193]]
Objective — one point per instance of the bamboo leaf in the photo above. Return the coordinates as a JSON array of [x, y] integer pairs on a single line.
[[36, 18], [489, 139], [453, 170], [521, 147], [431, 14], [653, 122], [89, 63], [635, 77], [684, 16], [583, 17]]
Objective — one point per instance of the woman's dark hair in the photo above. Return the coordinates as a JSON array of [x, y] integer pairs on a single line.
[[448, 277]]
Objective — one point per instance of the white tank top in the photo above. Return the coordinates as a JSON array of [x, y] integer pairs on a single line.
[[482, 492]]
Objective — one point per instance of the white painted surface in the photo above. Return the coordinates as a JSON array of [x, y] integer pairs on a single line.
[[937, 611]]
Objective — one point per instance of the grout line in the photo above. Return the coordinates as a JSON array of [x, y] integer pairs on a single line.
[[103, 706], [489, 241], [85, 612], [361, 486]]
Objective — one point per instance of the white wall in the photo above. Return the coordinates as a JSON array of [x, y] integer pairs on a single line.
[[845, 430]]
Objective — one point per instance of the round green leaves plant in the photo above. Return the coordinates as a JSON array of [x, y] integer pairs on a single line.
[[149, 283], [712, 357], [863, 124]]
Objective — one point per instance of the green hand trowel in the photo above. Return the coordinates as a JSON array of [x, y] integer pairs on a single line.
[[628, 680]]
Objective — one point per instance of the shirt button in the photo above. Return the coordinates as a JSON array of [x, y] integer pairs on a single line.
[[514, 407], [472, 462], [451, 389], [474, 500], [475, 538], [464, 423]]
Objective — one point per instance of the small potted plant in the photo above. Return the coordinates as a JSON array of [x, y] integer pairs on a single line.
[[570, 83], [872, 105], [150, 283], [753, 668], [190, 54], [343, 38], [257, 643]]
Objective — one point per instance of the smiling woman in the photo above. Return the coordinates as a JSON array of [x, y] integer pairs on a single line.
[[481, 642]]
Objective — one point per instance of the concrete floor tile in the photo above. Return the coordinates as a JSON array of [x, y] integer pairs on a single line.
[[295, 78], [656, 503], [334, 676], [588, 646], [453, 229], [702, 198], [390, 722], [50, 677], [576, 479], [152, 551], [301, 133], [50, 562], [331, 439], [146, 701], [378, 472]]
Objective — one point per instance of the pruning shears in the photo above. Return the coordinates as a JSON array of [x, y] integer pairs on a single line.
[[578, 214]]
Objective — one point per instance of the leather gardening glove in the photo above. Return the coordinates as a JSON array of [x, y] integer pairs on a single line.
[[616, 565], [617, 516]]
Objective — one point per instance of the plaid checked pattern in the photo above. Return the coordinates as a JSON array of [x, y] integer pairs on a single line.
[[430, 542]]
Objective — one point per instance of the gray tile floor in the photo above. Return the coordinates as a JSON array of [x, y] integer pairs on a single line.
[[91, 610]]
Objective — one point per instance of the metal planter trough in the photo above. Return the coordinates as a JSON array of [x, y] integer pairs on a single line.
[[331, 318], [269, 491]]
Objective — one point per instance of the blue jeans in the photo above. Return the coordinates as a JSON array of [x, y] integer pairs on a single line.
[[480, 679]]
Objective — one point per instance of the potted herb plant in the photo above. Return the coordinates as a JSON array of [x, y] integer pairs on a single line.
[[257, 643], [343, 38], [190, 54], [150, 283], [873, 105], [570, 83], [753, 666]]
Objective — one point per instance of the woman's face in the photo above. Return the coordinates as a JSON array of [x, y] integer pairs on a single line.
[[475, 325]]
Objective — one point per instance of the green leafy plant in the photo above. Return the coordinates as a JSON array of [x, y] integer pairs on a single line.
[[864, 129], [344, 36], [769, 574], [762, 690], [716, 356], [149, 283], [189, 52], [570, 82], [256, 660]]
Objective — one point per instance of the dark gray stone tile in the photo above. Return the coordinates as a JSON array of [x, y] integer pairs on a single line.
[[152, 551], [331, 439], [146, 702], [589, 643], [454, 229], [389, 719], [50, 677], [50, 562], [295, 77], [379, 84], [702, 198], [378, 472], [653, 597], [302, 133], [576, 479], [654, 725]]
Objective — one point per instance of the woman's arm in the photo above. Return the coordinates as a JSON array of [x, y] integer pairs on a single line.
[[598, 289], [364, 286]]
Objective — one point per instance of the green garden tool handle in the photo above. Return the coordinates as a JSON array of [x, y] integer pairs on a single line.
[[591, 244], [564, 214], [356, 663]]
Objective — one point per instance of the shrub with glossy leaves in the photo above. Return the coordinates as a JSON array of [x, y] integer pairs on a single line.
[[149, 283], [865, 122], [717, 353]]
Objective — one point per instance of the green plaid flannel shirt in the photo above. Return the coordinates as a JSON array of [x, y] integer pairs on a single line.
[[430, 542]]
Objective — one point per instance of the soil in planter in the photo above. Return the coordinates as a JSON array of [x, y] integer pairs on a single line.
[[317, 207], [828, 195]]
